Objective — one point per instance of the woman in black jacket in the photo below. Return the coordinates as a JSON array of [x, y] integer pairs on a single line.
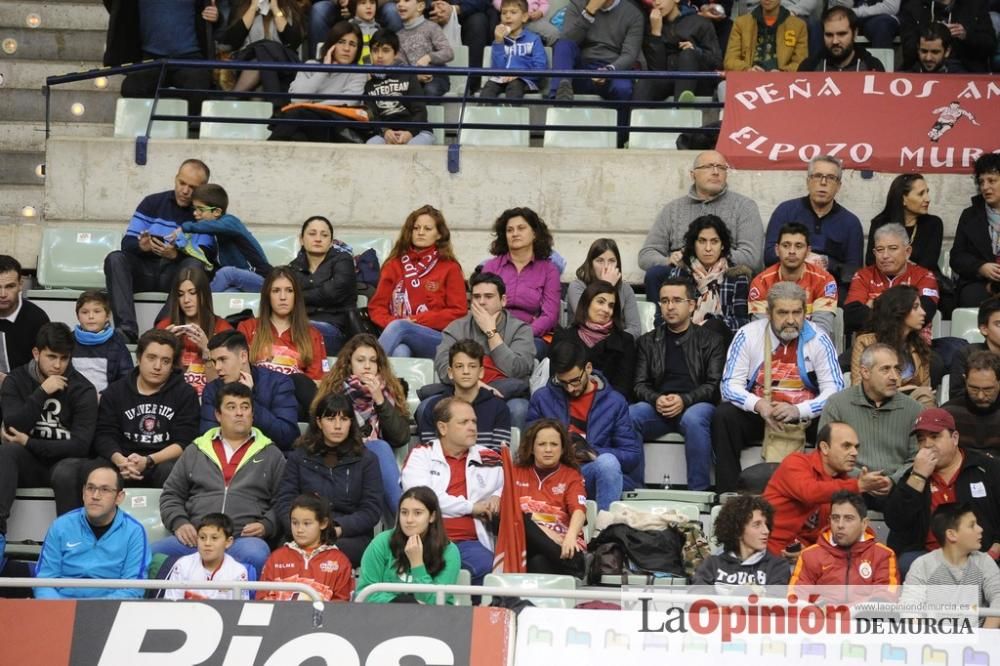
[[332, 462], [907, 203], [598, 323], [976, 247], [325, 271]]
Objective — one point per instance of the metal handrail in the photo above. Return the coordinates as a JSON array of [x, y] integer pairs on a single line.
[[146, 584]]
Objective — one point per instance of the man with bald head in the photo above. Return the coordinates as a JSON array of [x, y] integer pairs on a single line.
[[709, 195]]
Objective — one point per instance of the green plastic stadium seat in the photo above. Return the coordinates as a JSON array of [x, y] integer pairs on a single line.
[[417, 372], [584, 117], [382, 244], [464, 578], [132, 116], [435, 114], [515, 116], [689, 511], [647, 316], [143, 504], [461, 59], [660, 118], [529, 581], [231, 302], [74, 259], [963, 324], [235, 109], [886, 56], [280, 247]]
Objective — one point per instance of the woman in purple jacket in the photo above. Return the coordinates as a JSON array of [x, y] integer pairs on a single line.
[[521, 251]]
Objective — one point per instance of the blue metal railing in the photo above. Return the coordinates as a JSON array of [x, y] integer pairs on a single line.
[[464, 98]]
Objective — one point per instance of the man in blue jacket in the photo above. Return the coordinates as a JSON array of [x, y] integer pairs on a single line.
[[98, 541], [275, 410], [607, 443]]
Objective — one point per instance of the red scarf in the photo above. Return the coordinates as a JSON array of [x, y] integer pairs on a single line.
[[408, 296], [592, 333]]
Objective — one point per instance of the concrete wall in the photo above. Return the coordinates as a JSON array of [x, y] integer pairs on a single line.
[[582, 194]]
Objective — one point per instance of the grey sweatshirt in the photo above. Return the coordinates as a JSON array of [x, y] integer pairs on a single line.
[[515, 358], [420, 37], [740, 214], [322, 83], [932, 579], [613, 36]]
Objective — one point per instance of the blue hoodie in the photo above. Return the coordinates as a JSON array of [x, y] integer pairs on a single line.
[[525, 51], [71, 551], [609, 427], [237, 246]]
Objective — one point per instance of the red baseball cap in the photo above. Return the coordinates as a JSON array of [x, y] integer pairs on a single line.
[[935, 420]]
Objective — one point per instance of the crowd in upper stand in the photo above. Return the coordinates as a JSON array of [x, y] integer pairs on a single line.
[[935, 36], [742, 352]]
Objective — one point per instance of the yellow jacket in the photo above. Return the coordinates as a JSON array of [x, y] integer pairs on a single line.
[[791, 47]]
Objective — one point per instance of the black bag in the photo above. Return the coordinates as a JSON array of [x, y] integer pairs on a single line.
[[608, 560], [359, 322], [647, 551]]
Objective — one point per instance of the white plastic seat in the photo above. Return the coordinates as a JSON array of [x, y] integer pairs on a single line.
[[143, 504], [886, 56], [583, 117], [361, 242], [530, 581], [515, 118], [435, 114], [647, 316], [132, 116], [72, 258], [964, 324], [660, 118], [417, 372], [280, 247], [461, 59], [235, 109], [229, 303]]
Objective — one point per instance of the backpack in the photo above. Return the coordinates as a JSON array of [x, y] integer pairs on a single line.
[[676, 551]]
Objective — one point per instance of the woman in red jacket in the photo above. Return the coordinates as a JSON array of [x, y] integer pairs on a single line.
[[421, 289]]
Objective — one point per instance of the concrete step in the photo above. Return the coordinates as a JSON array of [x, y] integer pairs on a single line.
[[48, 16], [41, 44], [30, 136], [31, 74], [22, 168], [83, 106], [14, 199]]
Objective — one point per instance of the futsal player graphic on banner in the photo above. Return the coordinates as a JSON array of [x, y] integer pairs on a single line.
[[947, 117]]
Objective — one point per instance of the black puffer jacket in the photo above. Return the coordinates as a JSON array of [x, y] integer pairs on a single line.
[[972, 246], [704, 352], [331, 290]]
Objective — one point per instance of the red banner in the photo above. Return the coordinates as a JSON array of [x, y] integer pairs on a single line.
[[889, 122]]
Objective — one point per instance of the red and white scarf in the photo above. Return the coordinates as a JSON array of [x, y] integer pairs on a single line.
[[408, 298]]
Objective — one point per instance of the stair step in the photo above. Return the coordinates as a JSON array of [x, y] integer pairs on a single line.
[[30, 136], [44, 15], [42, 44], [31, 74], [13, 199], [94, 106], [19, 168]]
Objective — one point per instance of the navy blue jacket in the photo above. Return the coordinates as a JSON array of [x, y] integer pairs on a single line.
[[838, 235], [492, 418], [275, 409], [105, 363], [609, 427], [353, 487]]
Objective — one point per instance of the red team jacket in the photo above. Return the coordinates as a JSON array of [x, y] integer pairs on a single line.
[[326, 569]]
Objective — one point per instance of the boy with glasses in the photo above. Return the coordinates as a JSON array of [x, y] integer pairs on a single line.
[[677, 373], [597, 416], [98, 542]]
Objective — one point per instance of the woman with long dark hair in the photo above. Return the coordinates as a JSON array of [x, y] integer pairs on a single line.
[[191, 318], [897, 320], [363, 374], [522, 257], [598, 324], [723, 289], [552, 496], [421, 288], [416, 550], [907, 203], [331, 461], [604, 262]]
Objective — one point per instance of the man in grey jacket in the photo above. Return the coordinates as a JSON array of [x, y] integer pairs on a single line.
[[508, 341], [233, 469], [709, 194]]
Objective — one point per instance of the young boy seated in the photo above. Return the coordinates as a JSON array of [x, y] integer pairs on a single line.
[[423, 44], [211, 562], [363, 16], [400, 86], [242, 262], [514, 47], [100, 353], [537, 23]]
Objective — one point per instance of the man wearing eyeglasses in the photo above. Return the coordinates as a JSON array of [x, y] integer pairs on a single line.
[[96, 542], [837, 240], [977, 411], [892, 268], [152, 250], [597, 416], [677, 373], [709, 194]]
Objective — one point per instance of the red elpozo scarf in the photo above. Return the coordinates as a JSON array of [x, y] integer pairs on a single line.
[[409, 296]]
